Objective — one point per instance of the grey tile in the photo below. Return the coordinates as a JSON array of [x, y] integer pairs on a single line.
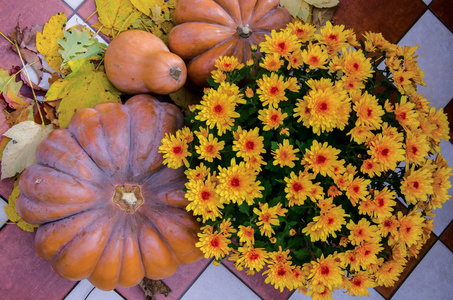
[[220, 284], [435, 57], [445, 215], [85, 290], [432, 278]]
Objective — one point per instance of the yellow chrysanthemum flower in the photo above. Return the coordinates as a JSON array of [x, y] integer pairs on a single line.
[[249, 144], [252, 258], [218, 110], [199, 173], [417, 185], [271, 89], [334, 37], [246, 235], [280, 275], [282, 43], [321, 158], [406, 114], [213, 243], [369, 111], [304, 31], [271, 117], [228, 63], [267, 217], [315, 57], [235, 183], [417, 148], [325, 273], [298, 187], [285, 155], [203, 198], [356, 65], [272, 62], [175, 151], [362, 232], [386, 151], [209, 148]]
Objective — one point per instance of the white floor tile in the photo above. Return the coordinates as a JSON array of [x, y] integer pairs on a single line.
[[435, 58], [73, 3], [445, 215], [3, 217], [220, 284], [78, 20], [427, 2], [340, 295], [432, 278], [84, 290]]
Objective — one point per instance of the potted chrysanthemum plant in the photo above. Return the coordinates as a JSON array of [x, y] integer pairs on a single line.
[[312, 164]]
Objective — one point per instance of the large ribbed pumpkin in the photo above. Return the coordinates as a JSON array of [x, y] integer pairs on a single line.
[[208, 29], [108, 210]]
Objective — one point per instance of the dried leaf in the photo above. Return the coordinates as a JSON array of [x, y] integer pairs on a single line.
[[3, 123], [293, 6], [8, 83], [26, 37], [79, 44], [83, 87], [20, 152], [11, 210], [322, 15], [50, 110], [47, 41], [23, 113], [116, 14], [323, 3], [154, 287], [186, 97]]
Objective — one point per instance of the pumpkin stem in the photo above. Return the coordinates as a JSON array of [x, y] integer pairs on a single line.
[[175, 72], [244, 31], [128, 197]]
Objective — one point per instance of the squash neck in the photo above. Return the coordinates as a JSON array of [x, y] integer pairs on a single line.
[[128, 197], [244, 31]]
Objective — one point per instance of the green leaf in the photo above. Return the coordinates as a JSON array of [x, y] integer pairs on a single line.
[[244, 208], [83, 87], [79, 44]]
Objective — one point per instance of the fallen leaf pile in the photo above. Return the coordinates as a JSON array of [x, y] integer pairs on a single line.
[[317, 12], [155, 16]]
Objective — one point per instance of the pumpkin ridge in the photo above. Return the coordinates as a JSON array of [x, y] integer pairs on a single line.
[[89, 230], [50, 144], [116, 226]]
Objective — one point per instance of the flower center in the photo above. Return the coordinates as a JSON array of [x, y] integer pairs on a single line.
[[218, 108], [128, 197]]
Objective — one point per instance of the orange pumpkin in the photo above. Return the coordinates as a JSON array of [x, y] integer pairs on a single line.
[[138, 62], [208, 29], [108, 210]]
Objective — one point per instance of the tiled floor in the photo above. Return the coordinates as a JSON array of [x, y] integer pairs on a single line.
[[23, 275]]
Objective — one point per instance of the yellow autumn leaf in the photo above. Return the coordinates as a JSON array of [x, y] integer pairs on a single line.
[[116, 15], [83, 87], [145, 6], [11, 210], [323, 3], [306, 12], [47, 41], [293, 6]]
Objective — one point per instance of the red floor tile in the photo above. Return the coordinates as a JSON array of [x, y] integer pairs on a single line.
[[444, 11], [24, 275], [29, 13], [392, 18], [447, 236], [449, 111]]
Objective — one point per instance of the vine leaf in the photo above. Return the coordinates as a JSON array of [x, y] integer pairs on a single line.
[[11, 210], [79, 44], [47, 41], [20, 152], [83, 87]]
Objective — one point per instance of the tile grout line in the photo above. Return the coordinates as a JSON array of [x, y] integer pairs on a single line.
[[413, 24], [429, 7], [242, 281], [413, 269], [198, 276]]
